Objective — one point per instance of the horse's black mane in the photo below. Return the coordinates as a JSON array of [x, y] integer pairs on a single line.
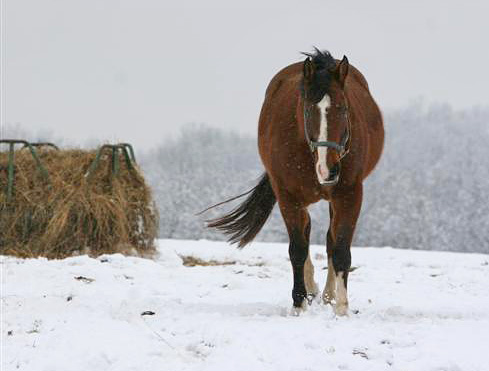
[[322, 59], [324, 63]]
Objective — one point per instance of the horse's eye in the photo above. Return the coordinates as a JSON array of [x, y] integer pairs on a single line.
[[341, 108]]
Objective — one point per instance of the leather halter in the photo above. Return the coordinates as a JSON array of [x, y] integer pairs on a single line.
[[341, 148]]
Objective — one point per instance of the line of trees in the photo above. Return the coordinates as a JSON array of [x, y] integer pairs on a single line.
[[430, 190]]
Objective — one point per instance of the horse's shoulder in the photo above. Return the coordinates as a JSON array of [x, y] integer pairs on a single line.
[[358, 77], [290, 74]]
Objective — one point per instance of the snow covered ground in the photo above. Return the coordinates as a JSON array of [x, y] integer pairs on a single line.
[[416, 311]]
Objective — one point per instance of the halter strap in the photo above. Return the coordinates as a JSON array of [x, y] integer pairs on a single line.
[[341, 147]]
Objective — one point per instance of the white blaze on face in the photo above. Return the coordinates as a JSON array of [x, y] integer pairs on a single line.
[[322, 170]]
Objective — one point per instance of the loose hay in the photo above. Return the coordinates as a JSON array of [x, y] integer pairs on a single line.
[[192, 261], [72, 214]]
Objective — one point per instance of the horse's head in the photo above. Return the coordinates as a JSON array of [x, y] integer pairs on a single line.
[[326, 121]]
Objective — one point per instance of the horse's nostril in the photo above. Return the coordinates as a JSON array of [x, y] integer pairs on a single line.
[[334, 171]]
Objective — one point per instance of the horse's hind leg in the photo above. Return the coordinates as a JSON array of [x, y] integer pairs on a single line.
[[329, 293], [311, 286], [297, 220], [345, 207]]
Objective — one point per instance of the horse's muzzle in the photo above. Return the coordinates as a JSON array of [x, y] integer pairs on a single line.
[[334, 176]]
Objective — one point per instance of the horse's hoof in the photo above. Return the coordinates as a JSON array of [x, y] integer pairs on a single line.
[[312, 289], [310, 298], [328, 298], [341, 310], [297, 310]]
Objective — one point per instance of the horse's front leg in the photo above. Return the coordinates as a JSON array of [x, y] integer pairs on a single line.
[[345, 208], [298, 225]]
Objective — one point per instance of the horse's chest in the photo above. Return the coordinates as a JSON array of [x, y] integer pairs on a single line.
[[293, 171]]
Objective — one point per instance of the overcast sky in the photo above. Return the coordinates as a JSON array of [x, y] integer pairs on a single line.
[[138, 70]]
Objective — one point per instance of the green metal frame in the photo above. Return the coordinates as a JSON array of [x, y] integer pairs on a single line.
[[43, 144], [125, 148], [131, 150], [10, 167]]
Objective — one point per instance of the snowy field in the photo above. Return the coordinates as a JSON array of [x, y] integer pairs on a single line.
[[413, 310]]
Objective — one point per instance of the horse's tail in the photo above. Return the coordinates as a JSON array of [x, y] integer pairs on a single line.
[[243, 223]]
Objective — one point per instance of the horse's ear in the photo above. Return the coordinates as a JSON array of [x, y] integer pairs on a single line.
[[342, 70], [308, 69]]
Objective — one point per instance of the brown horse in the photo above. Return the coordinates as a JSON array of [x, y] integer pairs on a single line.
[[320, 135]]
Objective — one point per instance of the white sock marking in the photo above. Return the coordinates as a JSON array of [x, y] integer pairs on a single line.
[[329, 292], [341, 296], [311, 286]]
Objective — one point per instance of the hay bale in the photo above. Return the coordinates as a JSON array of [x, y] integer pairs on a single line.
[[72, 214]]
